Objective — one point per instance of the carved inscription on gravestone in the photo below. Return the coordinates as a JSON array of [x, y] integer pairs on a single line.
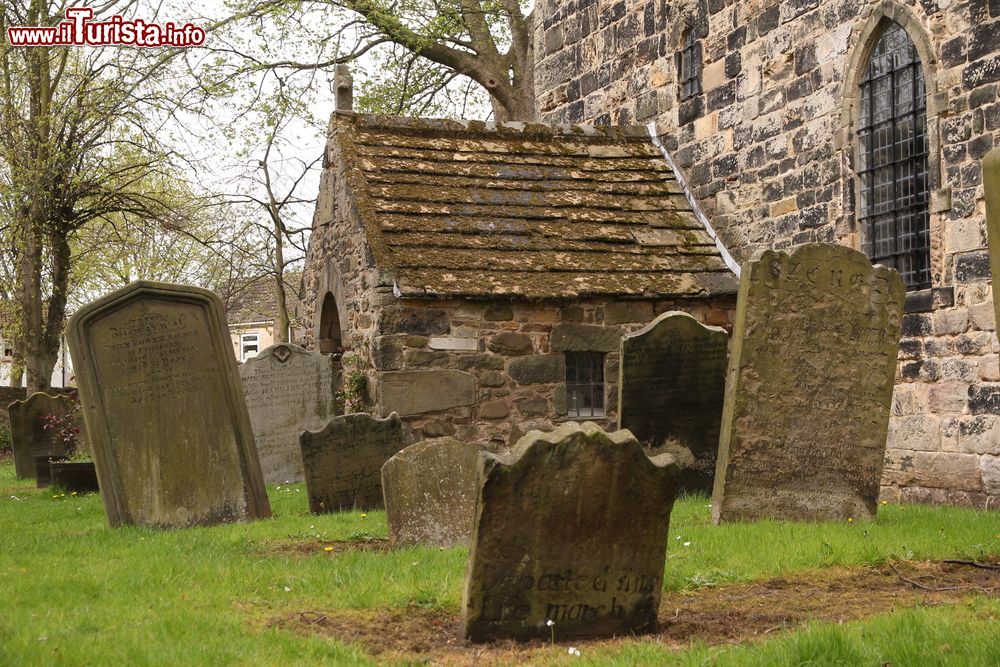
[[164, 408], [570, 527], [29, 437], [810, 387], [671, 390], [288, 390], [430, 492], [343, 462]]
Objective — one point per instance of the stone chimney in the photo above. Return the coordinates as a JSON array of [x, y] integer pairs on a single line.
[[343, 87]]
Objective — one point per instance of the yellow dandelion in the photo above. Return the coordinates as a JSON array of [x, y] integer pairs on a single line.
[[327, 548], [849, 520], [364, 516]]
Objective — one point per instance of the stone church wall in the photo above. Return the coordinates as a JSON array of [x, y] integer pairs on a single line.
[[769, 150]]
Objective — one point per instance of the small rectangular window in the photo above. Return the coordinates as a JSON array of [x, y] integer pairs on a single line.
[[689, 75], [585, 384], [249, 346]]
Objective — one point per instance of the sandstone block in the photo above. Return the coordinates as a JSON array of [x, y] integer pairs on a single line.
[[418, 392], [537, 369]]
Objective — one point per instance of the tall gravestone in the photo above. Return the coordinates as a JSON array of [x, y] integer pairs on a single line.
[[991, 182], [343, 461], [571, 527], [164, 408], [29, 437], [430, 492], [288, 390], [672, 382], [810, 386]]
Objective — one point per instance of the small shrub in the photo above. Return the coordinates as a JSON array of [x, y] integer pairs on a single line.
[[6, 442]]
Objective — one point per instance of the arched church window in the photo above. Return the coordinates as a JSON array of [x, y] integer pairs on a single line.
[[689, 65], [892, 154]]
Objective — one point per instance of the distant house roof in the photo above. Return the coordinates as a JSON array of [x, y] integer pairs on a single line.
[[481, 209], [257, 302]]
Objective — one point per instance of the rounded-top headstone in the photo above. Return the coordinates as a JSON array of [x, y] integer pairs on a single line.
[[164, 408], [430, 492], [288, 390], [810, 382], [672, 384]]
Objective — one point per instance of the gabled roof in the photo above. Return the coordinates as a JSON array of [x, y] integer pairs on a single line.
[[510, 209], [257, 301]]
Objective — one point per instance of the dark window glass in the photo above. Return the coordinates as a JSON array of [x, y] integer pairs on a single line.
[[690, 66], [585, 384], [893, 159]]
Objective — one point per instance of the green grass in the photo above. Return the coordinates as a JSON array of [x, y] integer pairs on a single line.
[[77, 593]]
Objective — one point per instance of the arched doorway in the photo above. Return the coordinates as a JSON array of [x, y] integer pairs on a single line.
[[330, 336]]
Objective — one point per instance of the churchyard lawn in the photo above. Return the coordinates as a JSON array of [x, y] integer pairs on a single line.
[[302, 589]]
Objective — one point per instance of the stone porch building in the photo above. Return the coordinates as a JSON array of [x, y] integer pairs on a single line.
[[480, 276], [860, 122]]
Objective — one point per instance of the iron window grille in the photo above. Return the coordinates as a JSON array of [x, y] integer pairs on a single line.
[[585, 384], [893, 152], [690, 66]]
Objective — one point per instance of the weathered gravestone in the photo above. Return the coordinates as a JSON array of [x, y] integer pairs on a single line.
[[810, 386], [343, 462], [288, 390], [430, 492], [991, 182], [670, 392], [29, 437], [164, 408], [571, 527]]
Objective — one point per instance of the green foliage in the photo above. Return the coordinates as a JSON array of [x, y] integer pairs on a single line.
[[6, 443], [353, 396]]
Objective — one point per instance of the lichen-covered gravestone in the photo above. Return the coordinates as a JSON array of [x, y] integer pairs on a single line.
[[670, 392], [991, 182], [343, 462], [288, 390], [810, 386], [164, 408], [571, 527], [29, 437], [430, 492]]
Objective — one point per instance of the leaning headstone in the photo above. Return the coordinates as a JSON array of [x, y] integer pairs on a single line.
[[430, 492], [29, 437], [164, 409], [288, 390], [670, 392], [343, 462], [571, 527], [810, 387], [991, 182]]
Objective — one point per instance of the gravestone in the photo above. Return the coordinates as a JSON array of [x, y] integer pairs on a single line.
[[810, 386], [164, 408], [29, 437], [343, 462], [288, 390], [991, 183], [672, 382], [430, 492], [571, 527]]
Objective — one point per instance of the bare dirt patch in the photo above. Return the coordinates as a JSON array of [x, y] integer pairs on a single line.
[[331, 547], [728, 614]]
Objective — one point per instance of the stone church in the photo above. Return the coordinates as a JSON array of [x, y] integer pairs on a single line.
[[847, 121]]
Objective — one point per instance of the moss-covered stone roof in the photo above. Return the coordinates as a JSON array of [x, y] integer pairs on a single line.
[[481, 209]]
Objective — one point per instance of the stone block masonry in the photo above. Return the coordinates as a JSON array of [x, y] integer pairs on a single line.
[[769, 148]]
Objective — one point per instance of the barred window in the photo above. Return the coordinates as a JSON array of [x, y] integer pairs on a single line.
[[585, 384], [893, 159], [689, 66]]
